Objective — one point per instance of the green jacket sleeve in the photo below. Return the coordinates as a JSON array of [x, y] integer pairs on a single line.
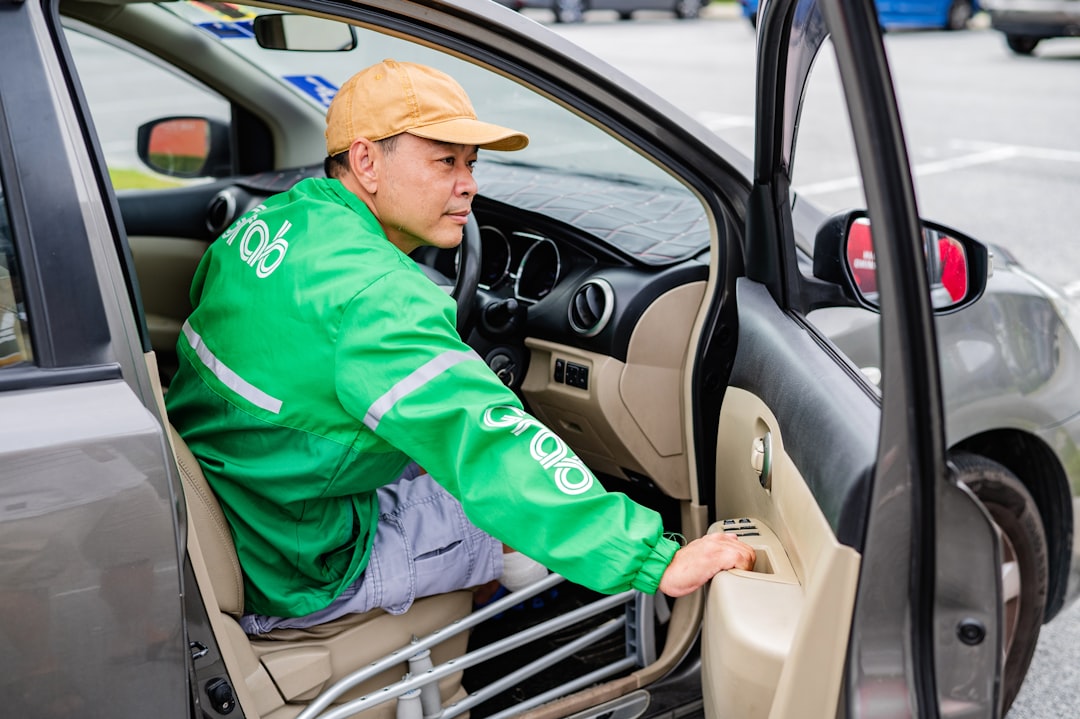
[[403, 370]]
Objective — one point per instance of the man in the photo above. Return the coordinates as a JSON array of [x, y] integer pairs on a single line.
[[319, 365]]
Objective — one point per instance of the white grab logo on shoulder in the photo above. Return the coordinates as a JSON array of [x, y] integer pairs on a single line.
[[256, 247], [546, 447]]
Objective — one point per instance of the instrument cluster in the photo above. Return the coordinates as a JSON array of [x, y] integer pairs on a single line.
[[527, 262]]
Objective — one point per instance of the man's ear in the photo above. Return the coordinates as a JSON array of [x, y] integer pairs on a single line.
[[364, 160]]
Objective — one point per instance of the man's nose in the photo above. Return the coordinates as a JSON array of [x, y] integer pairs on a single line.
[[467, 186]]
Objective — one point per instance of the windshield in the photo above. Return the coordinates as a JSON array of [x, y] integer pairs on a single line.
[[559, 139]]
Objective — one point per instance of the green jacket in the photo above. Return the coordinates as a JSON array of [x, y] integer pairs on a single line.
[[317, 361]]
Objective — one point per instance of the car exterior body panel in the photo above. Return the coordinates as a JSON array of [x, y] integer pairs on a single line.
[[71, 570]]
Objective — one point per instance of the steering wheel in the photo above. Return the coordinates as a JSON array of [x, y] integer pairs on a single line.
[[466, 268]]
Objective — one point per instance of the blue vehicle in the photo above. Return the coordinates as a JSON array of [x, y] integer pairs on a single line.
[[897, 14]]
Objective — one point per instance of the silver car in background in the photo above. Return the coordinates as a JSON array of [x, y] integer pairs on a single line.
[[1026, 23]]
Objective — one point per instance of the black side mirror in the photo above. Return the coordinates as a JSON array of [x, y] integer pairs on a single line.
[[957, 266], [186, 147]]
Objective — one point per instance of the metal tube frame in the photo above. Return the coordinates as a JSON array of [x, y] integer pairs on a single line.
[[534, 667], [439, 635], [480, 655], [638, 613]]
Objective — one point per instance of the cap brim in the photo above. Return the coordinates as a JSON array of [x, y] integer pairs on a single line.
[[466, 131]]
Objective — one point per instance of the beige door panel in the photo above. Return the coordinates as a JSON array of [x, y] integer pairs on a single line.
[[165, 266], [775, 639]]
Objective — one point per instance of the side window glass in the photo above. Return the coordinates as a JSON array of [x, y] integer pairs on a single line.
[[826, 169], [14, 330], [108, 72], [825, 180]]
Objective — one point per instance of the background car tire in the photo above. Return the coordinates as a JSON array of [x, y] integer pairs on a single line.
[[569, 10], [1021, 44], [1024, 550], [687, 9], [959, 13]]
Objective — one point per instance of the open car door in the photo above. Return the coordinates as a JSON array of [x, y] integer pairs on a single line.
[[877, 589]]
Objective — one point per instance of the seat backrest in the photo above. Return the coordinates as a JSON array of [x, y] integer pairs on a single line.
[[215, 538]]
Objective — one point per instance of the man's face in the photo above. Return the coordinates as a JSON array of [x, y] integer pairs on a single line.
[[425, 191]]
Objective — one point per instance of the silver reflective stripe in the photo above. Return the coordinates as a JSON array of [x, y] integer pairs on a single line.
[[229, 378], [414, 381]]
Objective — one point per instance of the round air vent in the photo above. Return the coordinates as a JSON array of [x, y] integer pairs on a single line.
[[220, 212], [591, 307]]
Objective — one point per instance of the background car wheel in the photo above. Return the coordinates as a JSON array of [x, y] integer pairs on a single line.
[[959, 14], [569, 10], [688, 9], [1023, 560], [1021, 44]]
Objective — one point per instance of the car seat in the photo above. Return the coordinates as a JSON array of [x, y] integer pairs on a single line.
[[276, 675]]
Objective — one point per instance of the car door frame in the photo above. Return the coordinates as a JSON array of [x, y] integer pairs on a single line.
[[904, 616]]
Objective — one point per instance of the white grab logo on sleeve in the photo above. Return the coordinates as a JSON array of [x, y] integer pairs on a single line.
[[571, 476]]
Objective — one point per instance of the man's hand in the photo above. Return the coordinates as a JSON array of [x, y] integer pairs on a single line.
[[698, 561]]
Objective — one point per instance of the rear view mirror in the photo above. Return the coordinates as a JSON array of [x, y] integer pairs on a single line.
[[957, 266], [303, 33], [185, 147]]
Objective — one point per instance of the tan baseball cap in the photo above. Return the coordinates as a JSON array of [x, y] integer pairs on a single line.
[[393, 97]]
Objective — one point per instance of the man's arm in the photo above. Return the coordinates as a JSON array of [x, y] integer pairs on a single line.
[[404, 372]]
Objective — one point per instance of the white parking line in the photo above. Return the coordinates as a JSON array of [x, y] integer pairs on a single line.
[[984, 153], [996, 154], [1037, 153], [717, 121], [1073, 289]]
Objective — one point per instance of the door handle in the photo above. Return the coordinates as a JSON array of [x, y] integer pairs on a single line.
[[761, 459]]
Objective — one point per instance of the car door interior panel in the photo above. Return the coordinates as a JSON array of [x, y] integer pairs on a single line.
[[180, 212], [781, 360], [779, 500], [165, 267], [800, 595]]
